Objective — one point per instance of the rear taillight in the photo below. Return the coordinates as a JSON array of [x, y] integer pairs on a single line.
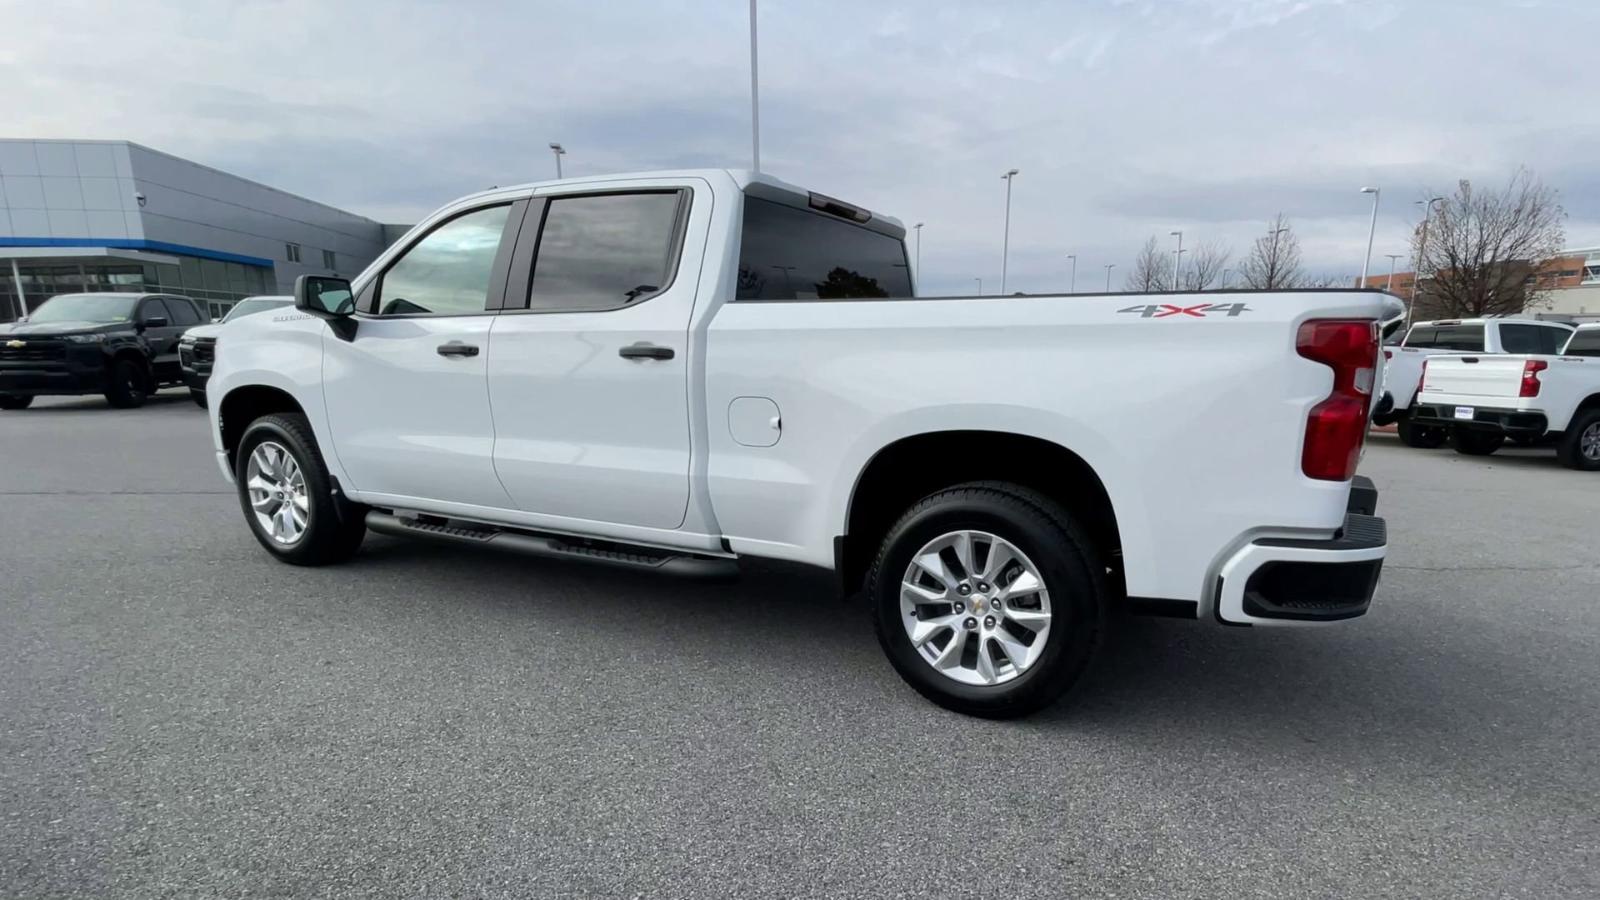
[[1530, 377], [1336, 426]]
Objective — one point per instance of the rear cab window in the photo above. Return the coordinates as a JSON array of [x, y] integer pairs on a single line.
[[788, 253], [1467, 338], [1421, 336]]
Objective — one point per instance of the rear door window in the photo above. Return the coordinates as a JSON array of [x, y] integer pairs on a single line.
[[606, 251], [1522, 338], [1551, 340], [787, 253]]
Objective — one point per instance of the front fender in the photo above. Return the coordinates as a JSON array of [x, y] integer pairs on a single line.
[[283, 353]]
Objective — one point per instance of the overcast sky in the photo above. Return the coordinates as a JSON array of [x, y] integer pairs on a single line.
[[1126, 118]]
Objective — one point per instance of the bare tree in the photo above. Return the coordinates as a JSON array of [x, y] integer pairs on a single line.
[[1152, 269], [1329, 281], [1274, 259], [1482, 247], [1205, 266]]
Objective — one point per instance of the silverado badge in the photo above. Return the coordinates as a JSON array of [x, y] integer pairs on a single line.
[[15, 344]]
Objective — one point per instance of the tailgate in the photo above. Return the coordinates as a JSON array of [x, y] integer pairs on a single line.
[[1496, 375]]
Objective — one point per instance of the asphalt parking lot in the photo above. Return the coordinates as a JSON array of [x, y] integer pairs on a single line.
[[179, 716]]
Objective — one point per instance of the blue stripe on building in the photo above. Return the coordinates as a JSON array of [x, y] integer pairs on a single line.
[[130, 244]]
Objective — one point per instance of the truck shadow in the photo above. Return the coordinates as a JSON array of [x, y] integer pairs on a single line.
[[44, 406], [1387, 685]]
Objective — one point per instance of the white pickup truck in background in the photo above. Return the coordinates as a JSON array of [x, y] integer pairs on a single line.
[[1483, 400], [1402, 375], [671, 372]]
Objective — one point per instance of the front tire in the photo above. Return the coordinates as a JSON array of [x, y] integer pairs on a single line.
[[128, 387], [988, 599], [15, 401], [1422, 437], [287, 494], [1580, 445], [1471, 442]]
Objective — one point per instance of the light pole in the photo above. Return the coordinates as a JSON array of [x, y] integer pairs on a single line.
[[918, 227], [1225, 274], [1422, 246], [1177, 262], [1392, 257], [980, 286], [559, 152], [1372, 227], [1109, 267], [1074, 258], [1005, 241], [755, 97]]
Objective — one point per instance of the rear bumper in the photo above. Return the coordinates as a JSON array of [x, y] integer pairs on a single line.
[[1484, 418], [1296, 581]]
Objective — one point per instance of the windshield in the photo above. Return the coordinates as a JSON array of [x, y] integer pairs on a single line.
[[256, 305], [85, 308]]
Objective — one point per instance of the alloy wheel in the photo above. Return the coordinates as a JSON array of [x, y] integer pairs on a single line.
[[277, 489], [975, 608]]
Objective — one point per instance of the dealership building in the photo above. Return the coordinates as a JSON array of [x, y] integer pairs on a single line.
[[116, 216]]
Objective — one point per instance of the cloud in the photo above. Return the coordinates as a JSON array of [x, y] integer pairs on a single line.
[[1126, 118]]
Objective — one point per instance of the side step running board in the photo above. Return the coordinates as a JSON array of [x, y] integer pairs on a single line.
[[556, 547]]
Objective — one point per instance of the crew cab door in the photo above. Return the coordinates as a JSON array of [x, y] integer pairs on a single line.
[[408, 407], [588, 364]]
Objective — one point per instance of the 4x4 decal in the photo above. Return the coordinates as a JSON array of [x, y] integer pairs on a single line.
[[1198, 311]]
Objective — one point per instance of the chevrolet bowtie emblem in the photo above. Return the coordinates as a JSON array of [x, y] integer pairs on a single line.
[[15, 344]]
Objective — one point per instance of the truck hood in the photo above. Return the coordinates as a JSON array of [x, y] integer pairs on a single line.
[[62, 329], [203, 331]]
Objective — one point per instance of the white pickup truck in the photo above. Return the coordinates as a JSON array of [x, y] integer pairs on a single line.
[[1403, 363], [1483, 400], [671, 372]]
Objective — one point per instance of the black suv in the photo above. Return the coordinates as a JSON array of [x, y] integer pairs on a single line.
[[121, 345]]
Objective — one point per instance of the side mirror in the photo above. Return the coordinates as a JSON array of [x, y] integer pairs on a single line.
[[324, 295], [154, 322]]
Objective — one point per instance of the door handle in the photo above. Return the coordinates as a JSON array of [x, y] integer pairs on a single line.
[[456, 348], [645, 351]]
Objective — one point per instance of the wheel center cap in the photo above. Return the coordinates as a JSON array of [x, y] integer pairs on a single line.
[[978, 603]]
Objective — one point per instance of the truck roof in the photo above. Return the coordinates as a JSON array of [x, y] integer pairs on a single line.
[[755, 184]]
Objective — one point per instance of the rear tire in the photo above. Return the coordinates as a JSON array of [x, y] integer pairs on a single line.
[[199, 397], [1422, 437], [1580, 445], [307, 523], [1069, 613], [15, 401], [1471, 442], [128, 387]]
